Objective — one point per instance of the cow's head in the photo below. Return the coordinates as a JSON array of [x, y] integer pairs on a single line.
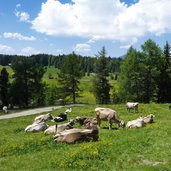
[[49, 116], [122, 123]]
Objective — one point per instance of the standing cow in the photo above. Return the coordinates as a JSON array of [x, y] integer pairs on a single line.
[[109, 115], [132, 105]]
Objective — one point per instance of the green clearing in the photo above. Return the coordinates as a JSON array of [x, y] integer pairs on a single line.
[[144, 149]]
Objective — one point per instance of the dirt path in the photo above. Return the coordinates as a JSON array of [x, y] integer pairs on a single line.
[[34, 111]]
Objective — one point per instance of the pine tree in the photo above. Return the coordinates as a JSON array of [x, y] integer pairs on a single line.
[[27, 88], [101, 86], [164, 93], [4, 87], [151, 58]]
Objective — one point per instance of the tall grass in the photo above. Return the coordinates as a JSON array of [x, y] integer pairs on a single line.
[[143, 149]]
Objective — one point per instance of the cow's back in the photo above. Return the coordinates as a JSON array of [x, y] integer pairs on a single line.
[[104, 113]]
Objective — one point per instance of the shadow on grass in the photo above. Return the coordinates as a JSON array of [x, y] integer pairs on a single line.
[[105, 127]]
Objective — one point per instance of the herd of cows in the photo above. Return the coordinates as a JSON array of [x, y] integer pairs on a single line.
[[89, 130]]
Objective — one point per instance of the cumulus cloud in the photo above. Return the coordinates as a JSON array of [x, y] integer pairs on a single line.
[[99, 19], [82, 47], [29, 51], [4, 49], [18, 36], [146, 16], [85, 18]]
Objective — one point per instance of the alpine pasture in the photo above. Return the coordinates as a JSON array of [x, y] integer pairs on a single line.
[[119, 149], [144, 149]]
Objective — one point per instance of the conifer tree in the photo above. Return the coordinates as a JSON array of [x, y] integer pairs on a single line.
[[101, 86], [130, 77], [164, 94], [27, 88], [69, 76], [4, 87]]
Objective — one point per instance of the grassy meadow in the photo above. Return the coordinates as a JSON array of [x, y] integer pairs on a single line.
[[143, 149]]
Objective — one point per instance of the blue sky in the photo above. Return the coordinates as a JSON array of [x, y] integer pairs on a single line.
[[84, 26]]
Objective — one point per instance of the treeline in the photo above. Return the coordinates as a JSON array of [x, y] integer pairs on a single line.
[[26, 88], [144, 76], [87, 63]]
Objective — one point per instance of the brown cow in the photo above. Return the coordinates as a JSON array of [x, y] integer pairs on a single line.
[[109, 115], [87, 122], [43, 118], [77, 135], [59, 128]]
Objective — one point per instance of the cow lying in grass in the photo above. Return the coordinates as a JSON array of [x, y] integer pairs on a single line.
[[36, 127], [149, 118], [59, 128], [141, 121], [62, 116], [132, 105], [43, 118], [109, 115], [78, 135], [137, 123], [86, 122]]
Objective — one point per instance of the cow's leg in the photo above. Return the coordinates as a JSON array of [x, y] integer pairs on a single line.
[[99, 121], [110, 124]]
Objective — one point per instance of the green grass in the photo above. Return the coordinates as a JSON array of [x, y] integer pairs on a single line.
[[143, 149], [51, 71]]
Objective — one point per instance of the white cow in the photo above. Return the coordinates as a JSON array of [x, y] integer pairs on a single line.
[[5, 109], [137, 123], [132, 105], [149, 118], [36, 127]]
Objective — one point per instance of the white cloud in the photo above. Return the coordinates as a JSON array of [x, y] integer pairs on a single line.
[[99, 19], [146, 16], [82, 47], [18, 5], [91, 41], [4, 49], [125, 46], [29, 51], [18, 36], [23, 16], [84, 18]]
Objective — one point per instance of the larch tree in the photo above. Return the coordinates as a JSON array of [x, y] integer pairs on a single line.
[[69, 76]]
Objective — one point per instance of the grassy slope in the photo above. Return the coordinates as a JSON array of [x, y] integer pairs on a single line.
[[142, 149]]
